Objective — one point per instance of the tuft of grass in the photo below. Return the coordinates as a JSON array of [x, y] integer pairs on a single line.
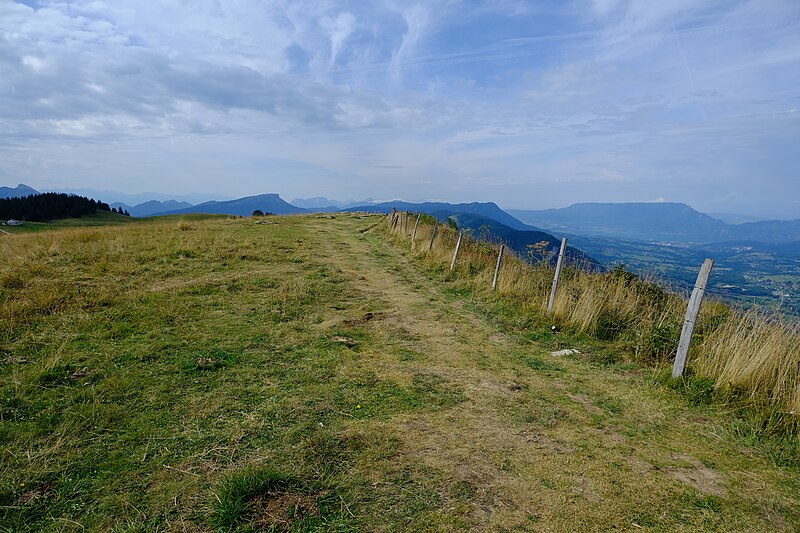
[[237, 490]]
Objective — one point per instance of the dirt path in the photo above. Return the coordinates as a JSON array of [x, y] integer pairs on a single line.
[[553, 444]]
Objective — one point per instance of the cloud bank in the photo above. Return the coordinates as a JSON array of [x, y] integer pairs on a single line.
[[530, 104]]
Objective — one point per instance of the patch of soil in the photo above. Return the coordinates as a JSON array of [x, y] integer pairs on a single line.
[[698, 476], [12, 360], [584, 487], [278, 511], [206, 362], [81, 374], [544, 442], [364, 319], [347, 341], [586, 403], [499, 387], [30, 496], [639, 465]]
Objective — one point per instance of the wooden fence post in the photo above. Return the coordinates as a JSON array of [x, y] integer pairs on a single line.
[[433, 235], [559, 266], [497, 268], [691, 318], [416, 225], [405, 224], [455, 254]]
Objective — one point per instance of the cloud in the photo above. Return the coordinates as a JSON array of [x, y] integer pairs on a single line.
[[416, 19], [590, 100]]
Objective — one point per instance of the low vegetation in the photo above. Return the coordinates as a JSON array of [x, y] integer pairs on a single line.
[[753, 357], [310, 374]]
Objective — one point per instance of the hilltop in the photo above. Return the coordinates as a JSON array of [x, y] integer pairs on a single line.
[[324, 374], [18, 191], [267, 203]]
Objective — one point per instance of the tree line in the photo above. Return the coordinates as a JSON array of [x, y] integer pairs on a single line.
[[51, 206]]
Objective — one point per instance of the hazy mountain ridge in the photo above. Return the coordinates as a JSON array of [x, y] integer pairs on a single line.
[[486, 221], [485, 209], [518, 240], [669, 222], [117, 197], [268, 203], [18, 191], [152, 207]]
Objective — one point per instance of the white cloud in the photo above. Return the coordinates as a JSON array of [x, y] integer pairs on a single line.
[[592, 99]]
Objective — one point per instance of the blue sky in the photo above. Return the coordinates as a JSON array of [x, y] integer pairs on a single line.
[[529, 104]]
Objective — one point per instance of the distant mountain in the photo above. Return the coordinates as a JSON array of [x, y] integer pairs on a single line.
[[735, 218], [484, 209], [268, 203], [656, 222], [16, 192], [116, 197], [768, 231], [520, 241], [632, 221], [152, 207], [317, 203]]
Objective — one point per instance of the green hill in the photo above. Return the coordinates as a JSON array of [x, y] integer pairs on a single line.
[[321, 374]]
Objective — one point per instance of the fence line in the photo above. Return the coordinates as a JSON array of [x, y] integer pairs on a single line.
[[694, 304]]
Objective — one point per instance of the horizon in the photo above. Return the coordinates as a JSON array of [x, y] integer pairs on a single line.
[[531, 105], [102, 195]]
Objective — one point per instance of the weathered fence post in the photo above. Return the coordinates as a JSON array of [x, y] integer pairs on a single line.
[[416, 225], [433, 235], [691, 318], [559, 266], [497, 268], [455, 254], [405, 224]]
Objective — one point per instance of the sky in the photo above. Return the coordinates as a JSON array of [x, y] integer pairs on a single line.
[[530, 104]]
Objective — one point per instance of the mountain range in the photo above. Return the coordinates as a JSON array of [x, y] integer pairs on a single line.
[[16, 192], [523, 242], [442, 209], [152, 207], [268, 203], [665, 222]]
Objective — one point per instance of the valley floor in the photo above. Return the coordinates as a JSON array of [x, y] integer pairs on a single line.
[[148, 368]]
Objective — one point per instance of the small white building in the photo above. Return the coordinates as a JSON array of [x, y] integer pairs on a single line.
[[13, 222]]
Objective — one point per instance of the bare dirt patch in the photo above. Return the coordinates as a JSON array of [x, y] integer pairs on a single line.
[[586, 403], [280, 511], [698, 476], [364, 319], [584, 487]]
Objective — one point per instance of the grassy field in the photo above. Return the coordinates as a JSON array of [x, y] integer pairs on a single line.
[[311, 374], [101, 218]]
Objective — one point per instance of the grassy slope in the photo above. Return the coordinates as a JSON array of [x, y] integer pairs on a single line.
[[101, 218], [165, 359]]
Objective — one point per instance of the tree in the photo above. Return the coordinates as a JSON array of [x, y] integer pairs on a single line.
[[49, 206], [257, 213]]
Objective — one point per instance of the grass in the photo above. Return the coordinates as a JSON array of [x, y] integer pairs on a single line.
[[749, 357], [101, 218], [311, 375]]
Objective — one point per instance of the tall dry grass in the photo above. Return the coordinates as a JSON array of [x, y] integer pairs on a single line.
[[753, 357]]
